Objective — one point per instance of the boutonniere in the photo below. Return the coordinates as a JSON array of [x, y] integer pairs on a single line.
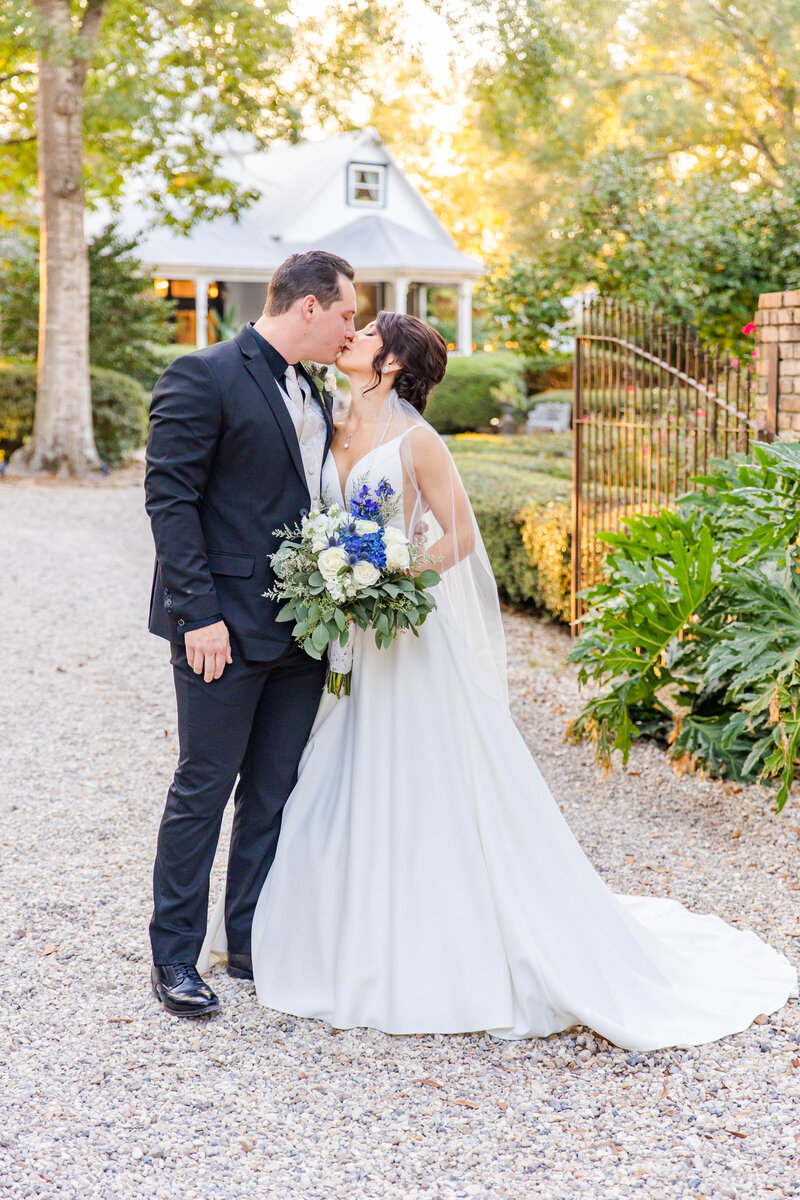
[[321, 375]]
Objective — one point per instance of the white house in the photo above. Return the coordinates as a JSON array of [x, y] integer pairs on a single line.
[[345, 194]]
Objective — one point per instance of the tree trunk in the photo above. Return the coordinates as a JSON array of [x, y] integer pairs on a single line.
[[62, 438]]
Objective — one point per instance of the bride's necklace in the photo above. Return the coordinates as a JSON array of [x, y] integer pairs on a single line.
[[349, 438]]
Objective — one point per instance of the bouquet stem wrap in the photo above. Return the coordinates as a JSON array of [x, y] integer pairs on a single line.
[[340, 660]]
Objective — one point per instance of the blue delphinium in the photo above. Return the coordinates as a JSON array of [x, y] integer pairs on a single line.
[[363, 505], [367, 506], [374, 506]]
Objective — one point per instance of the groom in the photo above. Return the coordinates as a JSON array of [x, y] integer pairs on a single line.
[[238, 434]]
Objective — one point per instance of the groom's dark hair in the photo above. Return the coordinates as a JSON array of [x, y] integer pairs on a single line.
[[315, 273]]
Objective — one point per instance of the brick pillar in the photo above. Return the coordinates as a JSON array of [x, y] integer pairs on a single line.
[[778, 363]]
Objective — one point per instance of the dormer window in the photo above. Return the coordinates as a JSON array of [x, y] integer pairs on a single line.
[[366, 184]]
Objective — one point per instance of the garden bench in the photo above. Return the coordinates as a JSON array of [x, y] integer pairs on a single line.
[[557, 417]]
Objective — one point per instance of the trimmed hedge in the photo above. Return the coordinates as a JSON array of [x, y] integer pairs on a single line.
[[119, 408], [463, 401], [549, 374], [529, 549], [518, 490]]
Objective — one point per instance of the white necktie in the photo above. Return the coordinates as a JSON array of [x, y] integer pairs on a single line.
[[293, 387]]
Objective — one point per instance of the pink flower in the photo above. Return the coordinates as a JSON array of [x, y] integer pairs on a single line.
[[749, 328], [734, 362]]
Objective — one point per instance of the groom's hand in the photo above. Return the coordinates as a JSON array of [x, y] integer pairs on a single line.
[[208, 650]]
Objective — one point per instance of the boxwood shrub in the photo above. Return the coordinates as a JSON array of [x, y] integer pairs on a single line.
[[463, 401], [519, 488], [119, 407]]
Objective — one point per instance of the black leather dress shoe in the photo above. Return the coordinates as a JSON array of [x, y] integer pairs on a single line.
[[240, 966], [181, 990]]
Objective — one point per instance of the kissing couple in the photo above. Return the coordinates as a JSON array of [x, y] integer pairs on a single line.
[[396, 859]]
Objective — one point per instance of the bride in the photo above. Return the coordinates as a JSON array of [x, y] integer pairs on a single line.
[[425, 880]]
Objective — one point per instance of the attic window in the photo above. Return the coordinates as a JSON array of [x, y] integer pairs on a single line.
[[366, 184]]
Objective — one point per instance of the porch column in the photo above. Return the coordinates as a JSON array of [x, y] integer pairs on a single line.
[[421, 302], [401, 295], [464, 325], [201, 283]]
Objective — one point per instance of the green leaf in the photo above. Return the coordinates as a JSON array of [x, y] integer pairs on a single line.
[[340, 619], [319, 637]]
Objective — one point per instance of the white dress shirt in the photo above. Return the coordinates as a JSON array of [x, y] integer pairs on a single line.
[[309, 425]]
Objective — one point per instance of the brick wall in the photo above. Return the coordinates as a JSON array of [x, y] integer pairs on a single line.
[[778, 346]]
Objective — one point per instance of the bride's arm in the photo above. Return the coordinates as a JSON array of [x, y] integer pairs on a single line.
[[438, 481]]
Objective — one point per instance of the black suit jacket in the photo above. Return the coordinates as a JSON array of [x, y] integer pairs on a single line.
[[223, 471]]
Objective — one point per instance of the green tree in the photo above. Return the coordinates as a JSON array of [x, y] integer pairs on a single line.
[[696, 248], [704, 81], [125, 317], [118, 88], [650, 149], [104, 93]]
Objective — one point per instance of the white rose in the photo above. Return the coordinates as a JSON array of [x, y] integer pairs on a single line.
[[365, 527], [394, 537], [397, 556], [365, 574], [332, 560]]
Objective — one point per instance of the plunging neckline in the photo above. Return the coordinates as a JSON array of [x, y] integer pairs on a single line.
[[343, 490]]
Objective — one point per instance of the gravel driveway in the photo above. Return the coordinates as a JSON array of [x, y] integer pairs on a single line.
[[105, 1096]]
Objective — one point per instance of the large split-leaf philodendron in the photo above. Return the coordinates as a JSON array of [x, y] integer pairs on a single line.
[[694, 633]]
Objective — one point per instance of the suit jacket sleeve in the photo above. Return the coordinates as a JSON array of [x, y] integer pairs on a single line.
[[185, 426]]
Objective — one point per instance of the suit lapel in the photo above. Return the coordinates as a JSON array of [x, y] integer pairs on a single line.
[[256, 365]]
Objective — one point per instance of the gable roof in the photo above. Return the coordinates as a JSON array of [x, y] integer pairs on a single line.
[[372, 242], [284, 172], [290, 180]]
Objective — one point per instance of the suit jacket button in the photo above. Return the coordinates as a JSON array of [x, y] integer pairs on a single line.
[[181, 621]]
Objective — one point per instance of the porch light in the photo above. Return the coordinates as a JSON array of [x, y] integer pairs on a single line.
[[213, 291], [161, 285]]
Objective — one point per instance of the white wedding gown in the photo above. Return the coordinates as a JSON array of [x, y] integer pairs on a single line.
[[426, 882]]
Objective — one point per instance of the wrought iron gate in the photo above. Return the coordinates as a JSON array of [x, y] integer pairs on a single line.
[[653, 403]]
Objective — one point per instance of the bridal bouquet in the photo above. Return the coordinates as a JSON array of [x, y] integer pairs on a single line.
[[341, 568]]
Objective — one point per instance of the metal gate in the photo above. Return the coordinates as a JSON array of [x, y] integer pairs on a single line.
[[653, 403]]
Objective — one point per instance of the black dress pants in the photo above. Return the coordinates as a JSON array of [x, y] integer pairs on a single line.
[[252, 722]]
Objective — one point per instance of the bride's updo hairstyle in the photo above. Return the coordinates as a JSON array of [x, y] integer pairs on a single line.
[[420, 350]]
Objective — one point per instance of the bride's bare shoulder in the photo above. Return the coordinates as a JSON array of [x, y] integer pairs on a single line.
[[424, 441]]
